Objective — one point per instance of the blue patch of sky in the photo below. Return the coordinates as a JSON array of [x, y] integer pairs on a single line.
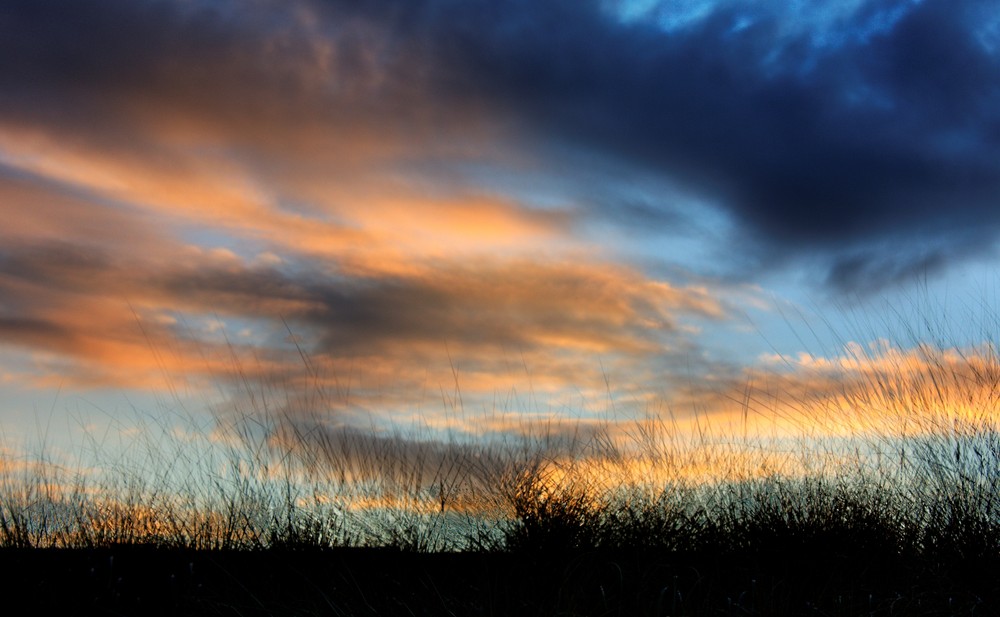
[[988, 32], [28, 412], [828, 23], [65, 424], [957, 309], [533, 187], [246, 248], [221, 329], [674, 15]]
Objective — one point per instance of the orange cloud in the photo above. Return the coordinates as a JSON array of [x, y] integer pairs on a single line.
[[294, 180], [877, 389]]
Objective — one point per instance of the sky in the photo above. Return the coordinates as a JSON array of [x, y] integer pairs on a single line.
[[479, 218]]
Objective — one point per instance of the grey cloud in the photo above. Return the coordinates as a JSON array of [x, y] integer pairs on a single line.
[[866, 273], [561, 311], [34, 332], [462, 468], [254, 75]]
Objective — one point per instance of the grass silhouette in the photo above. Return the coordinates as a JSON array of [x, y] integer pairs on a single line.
[[265, 513]]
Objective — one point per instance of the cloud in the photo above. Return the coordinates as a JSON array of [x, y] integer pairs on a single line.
[[836, 137], [41, 210], [425, 192], [476, 331], [266, 80], [521, 304], [872, 135], [882, 388]]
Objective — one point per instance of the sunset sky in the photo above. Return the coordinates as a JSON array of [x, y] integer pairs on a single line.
[[481, 216]]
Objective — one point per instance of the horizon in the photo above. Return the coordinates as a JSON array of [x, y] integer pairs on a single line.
[[459, 222]]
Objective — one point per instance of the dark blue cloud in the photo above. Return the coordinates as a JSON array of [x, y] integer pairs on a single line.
[[860, 151]]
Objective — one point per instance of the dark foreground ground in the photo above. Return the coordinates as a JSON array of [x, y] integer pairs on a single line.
[[348, 582]]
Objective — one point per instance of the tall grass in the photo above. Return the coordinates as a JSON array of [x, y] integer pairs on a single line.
[[901, 456]]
